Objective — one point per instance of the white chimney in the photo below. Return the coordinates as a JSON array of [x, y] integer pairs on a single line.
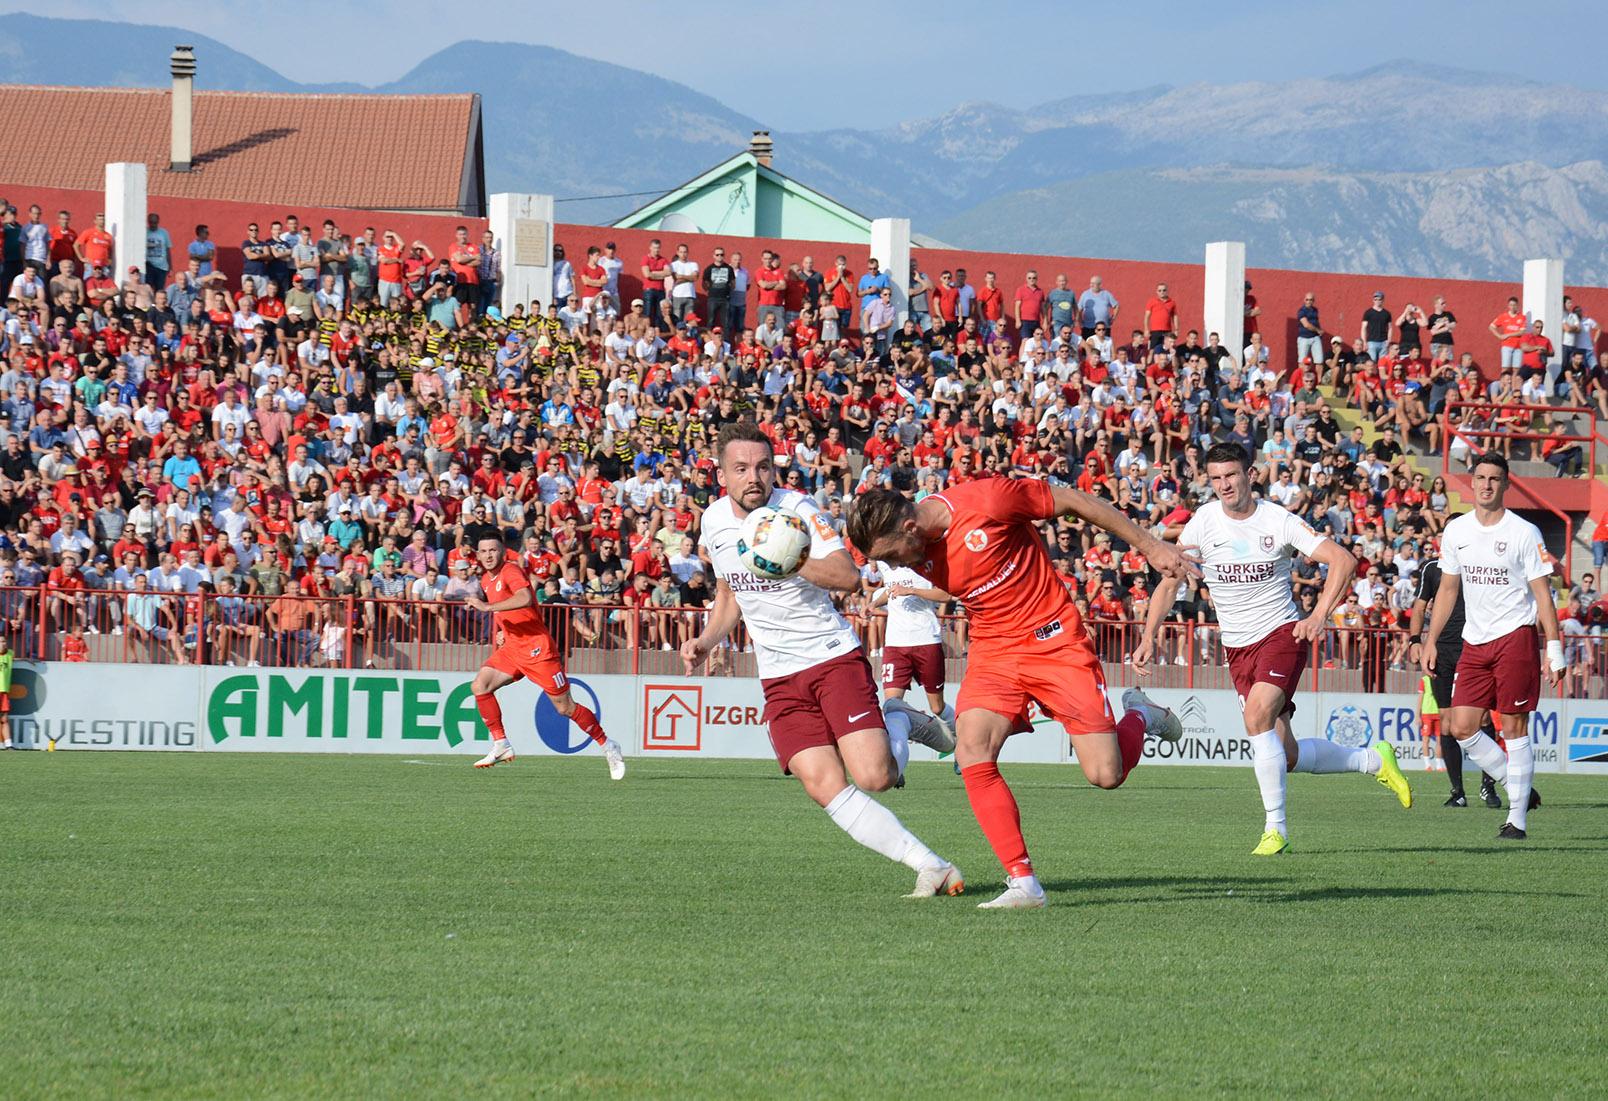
[[183, 67]]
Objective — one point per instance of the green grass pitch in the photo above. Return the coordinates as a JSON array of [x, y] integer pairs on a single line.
[[276, 926]]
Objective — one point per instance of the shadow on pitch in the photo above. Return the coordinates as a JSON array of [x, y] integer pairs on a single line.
[[1263, 889], [1506, 847]]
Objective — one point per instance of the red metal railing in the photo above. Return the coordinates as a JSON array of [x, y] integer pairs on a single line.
[[295, 631]]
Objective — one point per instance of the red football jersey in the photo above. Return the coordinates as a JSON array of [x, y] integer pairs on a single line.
[[993, 559], [521, 624]]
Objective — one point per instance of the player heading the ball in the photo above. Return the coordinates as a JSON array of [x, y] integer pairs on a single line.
[[978, 541]]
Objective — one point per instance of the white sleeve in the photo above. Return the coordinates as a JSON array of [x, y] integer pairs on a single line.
[[1299, 534], [1192, 533], [1532, 556], [823, 540], [1448, 553]]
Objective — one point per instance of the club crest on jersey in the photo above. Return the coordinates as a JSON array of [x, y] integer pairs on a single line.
[[1267, 543], [1501, 547], [976, 539]]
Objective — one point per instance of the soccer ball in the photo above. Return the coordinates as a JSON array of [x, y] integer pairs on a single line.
[[773, 543]]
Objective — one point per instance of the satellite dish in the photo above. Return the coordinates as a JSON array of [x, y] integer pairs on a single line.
[[678, 223]]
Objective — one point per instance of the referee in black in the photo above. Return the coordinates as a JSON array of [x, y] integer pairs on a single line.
[[1440, 685]]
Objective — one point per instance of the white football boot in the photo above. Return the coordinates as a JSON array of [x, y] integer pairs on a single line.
[[497, 756], [928, 730], [615, 758], [1021, 893], [942, 879], [1159, 720]]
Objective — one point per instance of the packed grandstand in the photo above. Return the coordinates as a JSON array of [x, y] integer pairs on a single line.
[[288, 465]]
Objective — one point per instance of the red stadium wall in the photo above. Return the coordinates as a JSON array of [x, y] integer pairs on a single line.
[[1341, 298]]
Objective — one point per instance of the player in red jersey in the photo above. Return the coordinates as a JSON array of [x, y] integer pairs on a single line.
[[1028, 645], [524, 649]]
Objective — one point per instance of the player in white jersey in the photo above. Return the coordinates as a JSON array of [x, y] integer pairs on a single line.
[[821, 705], [1247, 548], [1496, 559], [913, 646]]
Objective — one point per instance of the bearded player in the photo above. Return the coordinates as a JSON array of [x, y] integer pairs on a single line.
[[524, 649], [1495, 558], [1028, 646], [1247, 548], [821, 706]]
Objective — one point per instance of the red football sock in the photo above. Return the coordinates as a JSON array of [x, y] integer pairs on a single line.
[[998, 815], [583, 718], [1131, 740], [491, 714]]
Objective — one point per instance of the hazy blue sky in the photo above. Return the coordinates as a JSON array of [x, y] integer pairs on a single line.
[[863, 64]]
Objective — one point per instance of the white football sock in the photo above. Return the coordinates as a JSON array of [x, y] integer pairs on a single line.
[[499, 744], [1270, 764], [897, 724], [948, 714], [1322, 755], [1483, 751], [1520, 771], [878, 829]]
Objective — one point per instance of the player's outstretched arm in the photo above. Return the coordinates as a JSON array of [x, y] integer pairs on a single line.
[[1161, 602], [835, 571], [1445, 602], [1342, 566], [1170, 561]]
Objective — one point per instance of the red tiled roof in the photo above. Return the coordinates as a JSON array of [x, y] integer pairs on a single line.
[[361, 151]]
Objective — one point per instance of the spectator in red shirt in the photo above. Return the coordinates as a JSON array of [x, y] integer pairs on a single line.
[[1535, 351], [1029, 306], [946, 305], [655, 268], [990, 305], [63, 240], [1509, 328], [1161, 317]]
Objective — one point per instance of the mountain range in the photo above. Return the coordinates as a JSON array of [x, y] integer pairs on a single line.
[[1401, 168]]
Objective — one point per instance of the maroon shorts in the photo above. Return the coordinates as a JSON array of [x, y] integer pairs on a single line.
[[819, 705], [1501, 675], [922, 664], [1278, 659]]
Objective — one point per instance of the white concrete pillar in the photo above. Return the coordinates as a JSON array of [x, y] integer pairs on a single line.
[[522, 226], [125, 216], [890, 244], [1224, 307], [1543, 301]]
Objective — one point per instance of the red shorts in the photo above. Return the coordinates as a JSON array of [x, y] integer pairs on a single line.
[[923, 664], [1501, 675], [1278, 659], [534, 661], [819, 705], [1064, 678], [5, 702]]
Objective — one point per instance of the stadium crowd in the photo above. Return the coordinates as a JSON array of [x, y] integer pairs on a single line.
[[290, 466]]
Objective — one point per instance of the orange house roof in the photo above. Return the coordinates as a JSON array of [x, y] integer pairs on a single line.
[[415, 153]]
